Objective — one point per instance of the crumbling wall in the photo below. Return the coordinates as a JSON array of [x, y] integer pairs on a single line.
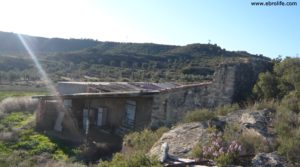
[[171, 105], [222, 89], [246, 76], [46, 115], [232, 83]]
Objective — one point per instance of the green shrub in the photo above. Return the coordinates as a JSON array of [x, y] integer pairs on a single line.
[[4, 149], [266, 86], [286, 122], [289, 147], [221, 151], [15, 119], [199, 115], [287, 125], [60, 155], [197, 151], [225, 160], [36, 144], [292, 101], [284, 78], [144, 140], [231, 132], [253, 144], [140, 142], [263, 104], [60, 163], [137, 159], [226, 109]]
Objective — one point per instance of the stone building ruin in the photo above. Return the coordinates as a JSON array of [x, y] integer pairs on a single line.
[[121, 107]]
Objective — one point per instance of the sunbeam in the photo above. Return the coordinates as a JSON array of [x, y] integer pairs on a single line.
[[44, 75], [48, 81]]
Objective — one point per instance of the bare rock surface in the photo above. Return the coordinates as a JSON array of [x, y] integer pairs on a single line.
[[257, 122], [268, 160], [182, 139]]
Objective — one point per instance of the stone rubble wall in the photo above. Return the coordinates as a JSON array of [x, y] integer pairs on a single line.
[[232, 83], [171, 106]]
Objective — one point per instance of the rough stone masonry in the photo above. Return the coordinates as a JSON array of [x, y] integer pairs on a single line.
[[232, 83]]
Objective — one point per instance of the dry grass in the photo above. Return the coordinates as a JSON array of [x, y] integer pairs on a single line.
[[11, 104]]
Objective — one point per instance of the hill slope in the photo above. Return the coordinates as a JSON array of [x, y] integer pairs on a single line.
[[80, 59], [10, 43]]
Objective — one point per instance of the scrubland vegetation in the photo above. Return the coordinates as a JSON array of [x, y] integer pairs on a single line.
[[281, 89], [89, 60], [137, 145], [20, 144], [277, 89]]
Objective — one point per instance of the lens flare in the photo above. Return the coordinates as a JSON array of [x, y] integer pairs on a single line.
[[44, 75], [48, 81]]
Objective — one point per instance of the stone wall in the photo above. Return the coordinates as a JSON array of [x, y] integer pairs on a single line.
[[233, 82], [170, 106]]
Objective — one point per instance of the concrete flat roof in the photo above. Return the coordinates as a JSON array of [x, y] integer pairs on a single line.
[[118, 94], [98, 95]]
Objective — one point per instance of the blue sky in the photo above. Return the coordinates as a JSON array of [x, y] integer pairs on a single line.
[[232, 24]]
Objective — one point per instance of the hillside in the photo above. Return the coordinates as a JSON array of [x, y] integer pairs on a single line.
[[89, 60], [10, 43]]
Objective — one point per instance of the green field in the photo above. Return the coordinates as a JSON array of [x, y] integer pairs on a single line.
[[21, 144], [6, 94]]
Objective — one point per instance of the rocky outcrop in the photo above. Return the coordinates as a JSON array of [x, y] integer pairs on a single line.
[[257, 123], [182, 139], [268, 160]]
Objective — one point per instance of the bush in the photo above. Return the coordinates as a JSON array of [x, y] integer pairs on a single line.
[[286, 122], [15, 120], [30, 149], [253, 144], [224, 153], [197, 151], [231, 132], [289, 147], [144, 140], [137, 159], [225, 160], [263, 104], [13, 104], [140, 143], [284, 78], [199, 115], [53, 163], [226, 109], [35, 144], [287, 125], [266, 87], [292, 101]]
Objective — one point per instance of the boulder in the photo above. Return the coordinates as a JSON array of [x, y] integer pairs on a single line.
[[257, 123], [268, 160], [182, 139]]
